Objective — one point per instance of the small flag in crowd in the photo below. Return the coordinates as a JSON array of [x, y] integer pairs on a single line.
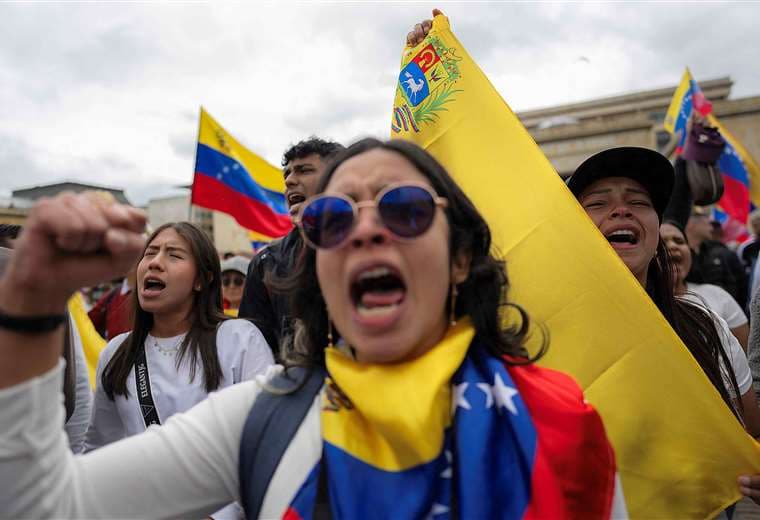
[[739, 170], [605, 330], [231, 179], [258, 240]]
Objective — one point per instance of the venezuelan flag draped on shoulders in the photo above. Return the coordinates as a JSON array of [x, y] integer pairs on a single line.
[[458, 433], [231, 179], [741, 173], [678, 448]]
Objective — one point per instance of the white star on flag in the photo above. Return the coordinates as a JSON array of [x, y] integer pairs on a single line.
[[499, 393], [225, 169], [458, 398], [438, 509]]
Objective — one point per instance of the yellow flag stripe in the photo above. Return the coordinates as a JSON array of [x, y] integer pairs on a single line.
[[213, 135]]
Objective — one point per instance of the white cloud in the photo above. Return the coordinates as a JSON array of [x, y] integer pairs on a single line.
[[109, 93]]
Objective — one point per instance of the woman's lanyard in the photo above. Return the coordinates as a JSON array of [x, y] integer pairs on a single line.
[[144, 395]]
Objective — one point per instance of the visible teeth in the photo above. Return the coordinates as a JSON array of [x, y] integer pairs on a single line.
[[374, 273], [376, 311], [622, 232]]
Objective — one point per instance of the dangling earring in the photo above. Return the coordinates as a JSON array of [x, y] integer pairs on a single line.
[[329, 332], [452, 310]]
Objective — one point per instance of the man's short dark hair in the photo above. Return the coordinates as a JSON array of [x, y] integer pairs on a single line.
[[312, 145]]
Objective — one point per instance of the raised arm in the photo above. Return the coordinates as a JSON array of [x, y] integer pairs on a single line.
[[187, 468], [69, 241]]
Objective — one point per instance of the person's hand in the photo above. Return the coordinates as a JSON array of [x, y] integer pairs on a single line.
[[420, 30], [68, 242], [750, 487]]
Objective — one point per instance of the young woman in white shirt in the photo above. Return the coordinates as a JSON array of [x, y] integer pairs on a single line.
[[181, 345], [189, 347]]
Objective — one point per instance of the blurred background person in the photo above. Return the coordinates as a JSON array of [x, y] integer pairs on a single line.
[[713, 262], [303, 165], [234, 271], [112, 313], [712, 297]]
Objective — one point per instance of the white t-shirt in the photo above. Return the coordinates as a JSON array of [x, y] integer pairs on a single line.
[[243, 352], [717, 300]]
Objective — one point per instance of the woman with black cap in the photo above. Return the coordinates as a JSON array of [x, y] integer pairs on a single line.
[[625, 192]]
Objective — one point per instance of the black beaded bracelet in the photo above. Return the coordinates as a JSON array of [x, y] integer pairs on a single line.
[[31, 324]]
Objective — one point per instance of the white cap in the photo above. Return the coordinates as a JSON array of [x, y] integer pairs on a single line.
[[236, 263]]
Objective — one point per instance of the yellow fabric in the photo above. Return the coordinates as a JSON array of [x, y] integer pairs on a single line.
[[233, 313], [671, 116], [392, 404], [92, 343], [678, 447], [255, 236], [214, 136], [753, 168]]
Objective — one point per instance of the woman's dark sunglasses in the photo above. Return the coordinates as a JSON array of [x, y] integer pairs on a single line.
[[237, 281], [407, 210]]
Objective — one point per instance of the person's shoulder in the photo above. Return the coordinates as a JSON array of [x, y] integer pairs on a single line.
[[112, 345], [237, 333], [712, 290], [235, 326]]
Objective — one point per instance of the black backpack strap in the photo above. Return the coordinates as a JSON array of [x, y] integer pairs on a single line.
[[271, 425]]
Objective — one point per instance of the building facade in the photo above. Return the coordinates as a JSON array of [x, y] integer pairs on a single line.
[[568, 134]]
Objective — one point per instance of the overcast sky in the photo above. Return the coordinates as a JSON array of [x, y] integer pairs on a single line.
[[110, 94]]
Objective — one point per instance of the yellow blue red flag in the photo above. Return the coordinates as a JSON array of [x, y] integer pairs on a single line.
[[231, 179], [678, 447], [741, 173], [259, 240]]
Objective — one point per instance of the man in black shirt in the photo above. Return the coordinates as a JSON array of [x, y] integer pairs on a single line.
[[303, 165], [713, 262]]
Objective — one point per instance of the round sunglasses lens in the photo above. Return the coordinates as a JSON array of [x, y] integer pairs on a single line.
[[408, 211], [327, 221]]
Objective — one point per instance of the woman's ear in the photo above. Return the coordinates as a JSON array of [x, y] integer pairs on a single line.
[[460, 267]]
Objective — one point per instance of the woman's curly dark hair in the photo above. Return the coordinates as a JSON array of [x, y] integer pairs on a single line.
[[481, 296]]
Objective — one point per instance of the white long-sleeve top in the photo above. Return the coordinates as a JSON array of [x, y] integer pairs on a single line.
[[243, 353], [186, 468], [76, 426]]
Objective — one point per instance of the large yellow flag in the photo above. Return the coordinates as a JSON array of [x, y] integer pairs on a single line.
[[92, 343], [678, 447]]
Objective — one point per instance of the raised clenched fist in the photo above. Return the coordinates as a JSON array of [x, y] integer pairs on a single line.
[[68, 242]]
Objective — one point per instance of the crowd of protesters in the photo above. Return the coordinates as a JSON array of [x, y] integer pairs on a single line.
[[388, 263]]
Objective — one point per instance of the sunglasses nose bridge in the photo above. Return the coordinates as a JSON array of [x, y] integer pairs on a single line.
[[369, 226]]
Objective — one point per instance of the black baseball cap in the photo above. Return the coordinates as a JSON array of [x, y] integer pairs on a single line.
[[649, 168]]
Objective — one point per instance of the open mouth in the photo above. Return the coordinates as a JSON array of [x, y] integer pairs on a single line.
[[377, 291], [623, 237], [153, 286], [295, 198]]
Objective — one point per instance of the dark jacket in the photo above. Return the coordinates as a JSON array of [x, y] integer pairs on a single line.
[[268, 310], [716, 264]]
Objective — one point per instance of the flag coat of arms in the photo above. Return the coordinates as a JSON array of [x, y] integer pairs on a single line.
[[231, 179], [678, 447]]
